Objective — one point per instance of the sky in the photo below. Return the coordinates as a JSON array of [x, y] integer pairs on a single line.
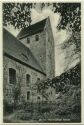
[[62, 63]]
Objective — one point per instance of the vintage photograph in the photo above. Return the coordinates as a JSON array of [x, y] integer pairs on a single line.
[[41, 62]]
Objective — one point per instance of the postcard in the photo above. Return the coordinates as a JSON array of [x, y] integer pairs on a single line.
[[42, 62]]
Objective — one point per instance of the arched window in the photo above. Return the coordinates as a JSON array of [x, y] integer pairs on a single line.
[[28, 95], [38, 99], [28, 79], [38, 79], [37, 37], [12, 76]]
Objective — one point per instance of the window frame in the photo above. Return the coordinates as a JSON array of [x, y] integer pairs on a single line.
[[28, 79], [28, 95], [38, 79], [37, 37], [12, 79]]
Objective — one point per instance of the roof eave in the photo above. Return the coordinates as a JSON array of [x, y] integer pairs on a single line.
[[23, 63]]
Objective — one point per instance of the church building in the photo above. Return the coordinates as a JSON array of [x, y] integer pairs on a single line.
[[27, 59]]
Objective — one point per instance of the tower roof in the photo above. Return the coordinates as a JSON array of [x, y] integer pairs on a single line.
[[32, 29], [14, 48]]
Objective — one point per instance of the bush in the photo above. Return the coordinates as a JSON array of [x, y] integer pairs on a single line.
[[7, 108]]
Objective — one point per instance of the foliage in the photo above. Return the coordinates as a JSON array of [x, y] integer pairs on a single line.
[[61, 83], [68, 106], [71, 15], [19, 14], [7, 107], [70, 101]]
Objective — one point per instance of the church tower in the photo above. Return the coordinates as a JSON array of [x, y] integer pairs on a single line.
[[39, 39]]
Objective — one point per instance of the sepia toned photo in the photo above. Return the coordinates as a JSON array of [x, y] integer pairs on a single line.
[[41, 62]]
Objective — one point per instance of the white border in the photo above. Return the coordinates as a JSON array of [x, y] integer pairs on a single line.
[[82, 62], [37, 1], [1, 68]]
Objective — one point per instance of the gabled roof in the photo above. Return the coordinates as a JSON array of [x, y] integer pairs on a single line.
[[32, 29], [14, 48]]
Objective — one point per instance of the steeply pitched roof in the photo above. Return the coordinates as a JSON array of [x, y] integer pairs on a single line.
[[17, 50], [32, 29]]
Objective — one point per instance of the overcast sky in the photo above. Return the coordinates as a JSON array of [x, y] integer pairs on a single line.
[[59, 37]]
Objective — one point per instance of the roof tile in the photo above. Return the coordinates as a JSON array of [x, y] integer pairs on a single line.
[[16, 49]]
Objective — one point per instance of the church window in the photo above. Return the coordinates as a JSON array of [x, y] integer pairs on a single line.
[[12, 76], [28, 40], [38, 79], [28, 95], [37, 37], [28, 78], [38, 99]]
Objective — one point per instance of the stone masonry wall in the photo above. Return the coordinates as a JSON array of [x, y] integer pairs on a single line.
[[50, 53], [38, 48], [21, 71], [43, 49]]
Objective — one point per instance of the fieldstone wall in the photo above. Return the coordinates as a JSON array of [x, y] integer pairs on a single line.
[[21, 72], [50, 52], [38, 48], [43, 49]]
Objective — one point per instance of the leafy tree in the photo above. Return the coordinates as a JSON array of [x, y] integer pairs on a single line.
[[17, 14], [71, 20], [71, 15]]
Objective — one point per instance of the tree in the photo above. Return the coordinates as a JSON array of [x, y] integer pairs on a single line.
[[71, 15], [17, 14]]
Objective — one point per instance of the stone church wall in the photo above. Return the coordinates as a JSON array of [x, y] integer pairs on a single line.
[[21, 71], [50, 52], [38, 48], [43, 49]]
